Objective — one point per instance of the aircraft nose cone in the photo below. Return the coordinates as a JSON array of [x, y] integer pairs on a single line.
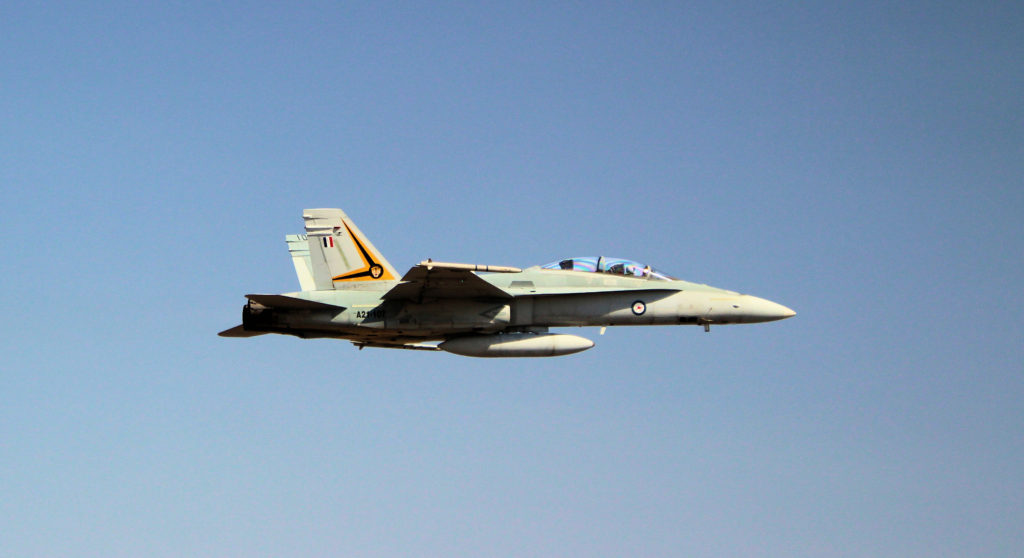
[[761, 310]]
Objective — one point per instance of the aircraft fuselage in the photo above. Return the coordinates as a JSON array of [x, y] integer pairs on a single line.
[[350, 291], [539, 298]]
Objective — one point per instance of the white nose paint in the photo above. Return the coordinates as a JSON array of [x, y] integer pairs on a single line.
[[753, 309]]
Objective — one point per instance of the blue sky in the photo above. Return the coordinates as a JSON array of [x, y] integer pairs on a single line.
[[861, 164]]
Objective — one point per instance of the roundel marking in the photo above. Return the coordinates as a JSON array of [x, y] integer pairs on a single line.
[[639, 307]]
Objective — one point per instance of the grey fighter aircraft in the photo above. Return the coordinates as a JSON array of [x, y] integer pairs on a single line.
[[349, 291]]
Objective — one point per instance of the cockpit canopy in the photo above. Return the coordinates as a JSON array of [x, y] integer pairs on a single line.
[[611, 266]]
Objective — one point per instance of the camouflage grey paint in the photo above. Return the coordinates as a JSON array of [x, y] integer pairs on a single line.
[[500, 307]]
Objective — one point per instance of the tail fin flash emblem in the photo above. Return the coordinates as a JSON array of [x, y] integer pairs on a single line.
[[343, 254], [371, 269]]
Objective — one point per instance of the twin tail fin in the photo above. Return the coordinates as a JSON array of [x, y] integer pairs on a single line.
[[337, 252]]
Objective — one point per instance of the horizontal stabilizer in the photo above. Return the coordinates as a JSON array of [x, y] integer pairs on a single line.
[[240, 331], [292, 303]]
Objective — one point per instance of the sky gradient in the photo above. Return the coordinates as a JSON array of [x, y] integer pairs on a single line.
[[861, 164]]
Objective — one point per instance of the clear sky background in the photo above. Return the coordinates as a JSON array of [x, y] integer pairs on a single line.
[[860, 163]]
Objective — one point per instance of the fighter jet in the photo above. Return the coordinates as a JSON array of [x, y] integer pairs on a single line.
[[350, 291]]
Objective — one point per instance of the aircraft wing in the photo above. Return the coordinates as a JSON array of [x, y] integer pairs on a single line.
[[447, 280]]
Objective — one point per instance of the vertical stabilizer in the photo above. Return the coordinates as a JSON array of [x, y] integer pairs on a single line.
[[298, 248], [340, 253]]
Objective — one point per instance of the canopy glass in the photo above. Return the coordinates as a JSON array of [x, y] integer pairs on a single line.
[[611, 266]]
